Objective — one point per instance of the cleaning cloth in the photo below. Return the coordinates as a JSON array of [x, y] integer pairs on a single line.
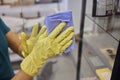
[[53, 20]]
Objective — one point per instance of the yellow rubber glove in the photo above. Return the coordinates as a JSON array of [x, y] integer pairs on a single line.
[[48, 47], [27, 44]]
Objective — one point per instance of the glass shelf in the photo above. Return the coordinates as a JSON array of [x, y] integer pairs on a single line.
[[99, 50], [110, 25], [101, 45]]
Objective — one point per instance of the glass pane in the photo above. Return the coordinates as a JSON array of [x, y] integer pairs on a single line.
[[56, 68], [21, 15], [100, 43]]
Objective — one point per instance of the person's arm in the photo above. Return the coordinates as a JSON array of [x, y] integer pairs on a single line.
[[14, 42], [21, 75]]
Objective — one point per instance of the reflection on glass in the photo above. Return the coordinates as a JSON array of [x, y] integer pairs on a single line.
[[108, 24]]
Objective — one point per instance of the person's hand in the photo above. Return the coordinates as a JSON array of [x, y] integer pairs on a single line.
[[54, 44], [28, 44]]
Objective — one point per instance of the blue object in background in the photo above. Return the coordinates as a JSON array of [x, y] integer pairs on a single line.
[[53, 20]]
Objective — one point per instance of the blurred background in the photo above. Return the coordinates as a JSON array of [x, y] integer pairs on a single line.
[[100, 42]]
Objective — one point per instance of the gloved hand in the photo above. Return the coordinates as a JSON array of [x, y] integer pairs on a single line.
[[27, 44], [55, 43]]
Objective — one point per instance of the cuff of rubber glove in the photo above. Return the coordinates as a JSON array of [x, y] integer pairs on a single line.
[[28, 66]]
